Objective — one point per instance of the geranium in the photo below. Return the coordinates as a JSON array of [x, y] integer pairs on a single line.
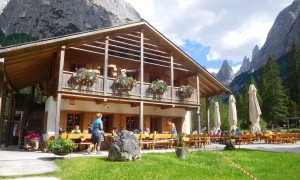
[[32, 137], [125, 83], [159, 86], [84, 76], [185, 91]]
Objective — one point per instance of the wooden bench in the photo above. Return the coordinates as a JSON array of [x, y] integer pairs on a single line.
[[197, 140], [163, 140]]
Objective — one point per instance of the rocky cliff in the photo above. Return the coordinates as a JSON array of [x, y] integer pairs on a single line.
[[285, 27], [225, 74], [48, 18]]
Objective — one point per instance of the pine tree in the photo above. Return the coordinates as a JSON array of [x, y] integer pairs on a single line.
[[293, 78], [274, 99]]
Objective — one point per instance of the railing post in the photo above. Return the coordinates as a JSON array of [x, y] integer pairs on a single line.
[[105, 66]]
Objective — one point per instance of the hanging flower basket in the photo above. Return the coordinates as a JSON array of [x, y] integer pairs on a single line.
[[185, 91], [159, 87], [125, 84], [84, 76]]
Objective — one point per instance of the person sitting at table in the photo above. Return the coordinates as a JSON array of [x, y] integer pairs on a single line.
[[218, 133], [90, 128], [76, 130], [61, 130], [114, 132], [147, 132], [237, 132]]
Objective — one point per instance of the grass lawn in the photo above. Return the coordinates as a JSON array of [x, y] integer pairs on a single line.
[[198, 165]]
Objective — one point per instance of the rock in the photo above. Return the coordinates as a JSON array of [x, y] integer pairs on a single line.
[[125, 147], [230, 144], [285, 27], [245, 66], [48, 18], [225, 74]]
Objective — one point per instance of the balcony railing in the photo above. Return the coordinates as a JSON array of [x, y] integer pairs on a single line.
[[69, 84]]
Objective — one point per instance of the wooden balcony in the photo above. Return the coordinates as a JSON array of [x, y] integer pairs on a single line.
[[69, 85]]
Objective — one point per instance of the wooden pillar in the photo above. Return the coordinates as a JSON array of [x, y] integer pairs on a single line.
[[13, 113], [9, 121], [199, 103], [172, 77], [58, 101], [142, 83], [2, 97], [105, 65], [207, 115]]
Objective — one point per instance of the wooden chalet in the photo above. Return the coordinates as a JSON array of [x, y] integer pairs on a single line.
[[139, 48]]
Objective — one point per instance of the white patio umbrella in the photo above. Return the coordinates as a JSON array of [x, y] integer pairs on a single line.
[[217, 116], [232, 113], [254, 110]]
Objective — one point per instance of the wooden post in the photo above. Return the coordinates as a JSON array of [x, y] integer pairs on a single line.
[[142, 116], [105, 65], [142, 83], [58, 101], [207, 115], [172, 77], [10, 121], [13, 111], [199, 103], [2, 97]]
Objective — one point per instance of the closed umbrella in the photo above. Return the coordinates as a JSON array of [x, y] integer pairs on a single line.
[[254, 110], [232, 113], [217, 116]]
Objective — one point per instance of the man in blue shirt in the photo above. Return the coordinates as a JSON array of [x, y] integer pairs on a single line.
[[97, 134]]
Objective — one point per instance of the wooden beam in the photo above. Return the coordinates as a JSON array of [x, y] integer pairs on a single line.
[[134, 104], [2, 99], [142, 64], [99, 101]]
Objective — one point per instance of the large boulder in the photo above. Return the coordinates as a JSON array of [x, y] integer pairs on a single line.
[[124, 147]]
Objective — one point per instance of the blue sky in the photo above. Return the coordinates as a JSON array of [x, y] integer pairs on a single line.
[[211, 31]]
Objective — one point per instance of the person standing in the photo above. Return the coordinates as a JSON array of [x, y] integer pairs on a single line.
[[171, 127], [97, 134]]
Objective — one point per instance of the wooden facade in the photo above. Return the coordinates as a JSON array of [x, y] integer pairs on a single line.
[[139, 48]]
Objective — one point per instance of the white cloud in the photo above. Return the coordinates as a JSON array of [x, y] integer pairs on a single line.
[[236, 68], [212, 70], [230, 28]]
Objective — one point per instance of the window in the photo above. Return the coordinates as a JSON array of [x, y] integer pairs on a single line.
[[153, 124], [72, 121], [130, 124], [153, 78]]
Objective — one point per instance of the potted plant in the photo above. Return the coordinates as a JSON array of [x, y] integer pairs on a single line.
[[185, 91], [124, 84], [181, 148], [84, 76], [32, 141], [159, 87], [62, 146]]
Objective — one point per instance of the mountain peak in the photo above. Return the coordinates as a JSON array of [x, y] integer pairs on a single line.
[[225, 74], [245, 66]]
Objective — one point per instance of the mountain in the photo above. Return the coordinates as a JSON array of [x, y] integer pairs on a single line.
[[245, 66], [225, 74], [286, 26], [49, 18]]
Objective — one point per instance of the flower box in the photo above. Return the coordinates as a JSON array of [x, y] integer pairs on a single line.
[[84, 76], [159, 87], [185, 91], [125, 84]]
